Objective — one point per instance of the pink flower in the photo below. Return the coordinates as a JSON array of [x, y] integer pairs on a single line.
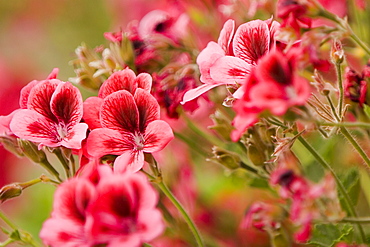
[[131, 126], [123, 213], [53, 114], [102, 208], [230, 60], [272, 86], [120, 80]]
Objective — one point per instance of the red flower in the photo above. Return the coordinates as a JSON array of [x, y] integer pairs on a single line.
[[272, 86], [53, 114], [131, 126], [102, 208]]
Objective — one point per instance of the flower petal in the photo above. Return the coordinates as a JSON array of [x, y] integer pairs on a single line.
[[40, 97], [129, 161], [157, 135], [105, 141], [25, 92], [144, 81], [66, 104], [147, 106], [251, 41], [230, 70], [226, 35], [119, 112], [91, 112], [120, 80], [75, 136], [32, 126], [196, 92]]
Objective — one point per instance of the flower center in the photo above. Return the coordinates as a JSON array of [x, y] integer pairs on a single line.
[[139, 141], [62, 131]]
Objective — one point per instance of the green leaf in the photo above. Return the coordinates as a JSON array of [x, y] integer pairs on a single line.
[[257, 182], [351, 181], [329, 234], [367, 110]]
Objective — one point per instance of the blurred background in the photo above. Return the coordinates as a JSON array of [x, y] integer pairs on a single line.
[[35, 37]]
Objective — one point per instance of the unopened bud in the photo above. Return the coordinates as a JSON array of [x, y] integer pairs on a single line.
[[337, 52], [31, 151], [222, 125], [226, 158], [256, 156], [10, 191], [10, 144]]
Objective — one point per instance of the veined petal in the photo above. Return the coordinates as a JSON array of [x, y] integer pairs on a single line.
[[105, 141], [130, 161], [66, 104], [157, 135], [144, 81], [32, 126], [230, 70], [251, 41], [226, 35], [91, 112], [196, 92], [40, 97], [147, 106], [119, 112], [75, 136], [120, 80], [25, 92], [53, 74]]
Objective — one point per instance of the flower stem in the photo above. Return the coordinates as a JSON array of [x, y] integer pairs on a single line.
[[360, 220], [63, 161], [342, 189], [46, 165], [7, 221], [181, 209], [157, 178], [354, 143]]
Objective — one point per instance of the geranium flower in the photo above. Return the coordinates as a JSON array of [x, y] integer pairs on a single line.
[[131, 126], [102, 208], [120, 80], [230, 60], [272, 86], [53, 114]]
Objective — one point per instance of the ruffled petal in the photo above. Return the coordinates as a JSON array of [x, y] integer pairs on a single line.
[[120, 80], [157, 135], [119, 112]]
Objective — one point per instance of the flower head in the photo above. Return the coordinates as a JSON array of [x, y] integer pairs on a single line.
[[130, 127], [52, 115]]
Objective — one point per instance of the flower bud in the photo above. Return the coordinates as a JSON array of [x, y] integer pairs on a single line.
[[31, 151], [222, 125], [9, 191], [226, 158], [256, 156], [337, 53], [10, 144]]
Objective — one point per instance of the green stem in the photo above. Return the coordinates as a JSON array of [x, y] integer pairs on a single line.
[[347, 124], [47, 166], [7, 242], [63, 161], [342, 189], [7, 221], [341, 90], [181, 209], [360, 220], [354, 143]]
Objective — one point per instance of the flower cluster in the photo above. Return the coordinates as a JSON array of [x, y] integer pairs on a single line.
[[282, 82]]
